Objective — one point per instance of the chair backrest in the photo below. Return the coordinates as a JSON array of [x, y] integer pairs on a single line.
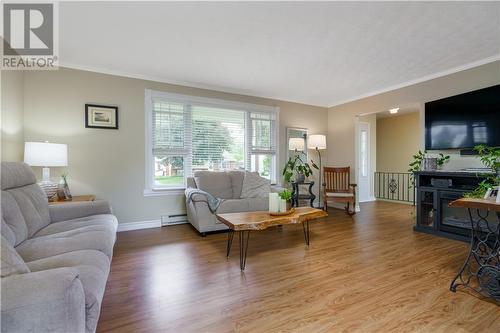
[[337, 179]]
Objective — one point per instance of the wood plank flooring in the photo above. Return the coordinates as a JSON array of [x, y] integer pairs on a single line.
[[371, 273]]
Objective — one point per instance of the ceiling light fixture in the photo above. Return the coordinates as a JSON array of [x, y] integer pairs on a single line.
[[394, 111]]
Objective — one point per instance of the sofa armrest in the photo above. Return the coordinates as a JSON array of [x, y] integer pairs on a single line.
[[73, 210], [46, 301]]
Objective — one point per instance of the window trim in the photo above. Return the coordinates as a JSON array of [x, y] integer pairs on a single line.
[[150, 188]]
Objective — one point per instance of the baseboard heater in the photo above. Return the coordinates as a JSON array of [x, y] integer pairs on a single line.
[[173, 219]]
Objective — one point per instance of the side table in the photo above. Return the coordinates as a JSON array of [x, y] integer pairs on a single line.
[[76, 198], [296, 196], [481, 269]]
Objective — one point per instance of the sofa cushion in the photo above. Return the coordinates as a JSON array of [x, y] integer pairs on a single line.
[[15, 174], [236, 182], [12, 263], [105, 220], [93, 269], [233, 206], [255, 204], [7, 233], [217, 184], [94, 237], [34, 207], [255, 186], [13, 218], [70, 259]]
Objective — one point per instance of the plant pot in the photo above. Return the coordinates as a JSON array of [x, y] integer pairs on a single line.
[[288, 205], [429, 164], [300, 178]]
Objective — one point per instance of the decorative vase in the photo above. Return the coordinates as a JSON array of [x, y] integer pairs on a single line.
[[430, 163], [50, 189], [300, 178], [63, 192]]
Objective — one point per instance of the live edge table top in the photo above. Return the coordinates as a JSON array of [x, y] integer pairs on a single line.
[[261, 220], [487, 204]]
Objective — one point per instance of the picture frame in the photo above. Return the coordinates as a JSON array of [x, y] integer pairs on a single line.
[[101, 116], [492, 193]]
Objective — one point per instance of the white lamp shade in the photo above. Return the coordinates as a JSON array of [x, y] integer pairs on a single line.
[[316, 141], [296, 144], [45, 154]]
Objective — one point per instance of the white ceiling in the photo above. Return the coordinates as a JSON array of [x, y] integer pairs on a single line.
[[322, 53]]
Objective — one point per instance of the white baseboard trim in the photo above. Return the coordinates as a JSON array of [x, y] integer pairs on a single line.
[[371, 198], [139, 225], [396, 201]]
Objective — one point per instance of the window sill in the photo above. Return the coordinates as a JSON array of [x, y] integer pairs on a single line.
[[160, 192]]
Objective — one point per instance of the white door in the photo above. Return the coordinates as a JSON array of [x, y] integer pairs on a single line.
[[364, 166]]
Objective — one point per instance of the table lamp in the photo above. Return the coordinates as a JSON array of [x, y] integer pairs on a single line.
[[317, 142], [46, 155]]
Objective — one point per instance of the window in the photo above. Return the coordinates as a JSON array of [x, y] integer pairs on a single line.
[[364, 153], [185, 134]]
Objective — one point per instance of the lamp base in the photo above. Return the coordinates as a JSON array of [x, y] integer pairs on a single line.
[[50, 189]]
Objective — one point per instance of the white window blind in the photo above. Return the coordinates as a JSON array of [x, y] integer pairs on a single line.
[[169, 121], [189, 134], [218, 138]]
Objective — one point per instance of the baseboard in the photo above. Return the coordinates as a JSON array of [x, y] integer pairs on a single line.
[[371, 198], [397, 201], [139, 225]]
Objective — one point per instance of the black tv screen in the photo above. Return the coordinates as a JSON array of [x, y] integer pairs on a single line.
[[464, 121]]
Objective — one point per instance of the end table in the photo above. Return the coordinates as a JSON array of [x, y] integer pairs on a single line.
[[76, 198], [481, 269], [296, 196]]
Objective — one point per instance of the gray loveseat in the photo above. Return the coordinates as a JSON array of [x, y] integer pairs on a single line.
[[55, 259], [226, 185]]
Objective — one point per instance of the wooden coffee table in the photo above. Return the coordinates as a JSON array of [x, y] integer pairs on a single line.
[[245, 222]]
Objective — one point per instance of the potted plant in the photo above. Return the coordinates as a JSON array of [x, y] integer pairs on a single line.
[[490, 157], [296, 165], [286, 196], [423, 161]]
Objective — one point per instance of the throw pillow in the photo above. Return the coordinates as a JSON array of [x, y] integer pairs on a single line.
[[12, 263], [255, 186]]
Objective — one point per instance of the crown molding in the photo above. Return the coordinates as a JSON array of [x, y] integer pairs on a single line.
[[160, 79], [421, 79], [246, 93]]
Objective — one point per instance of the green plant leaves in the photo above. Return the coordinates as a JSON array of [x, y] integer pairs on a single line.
[[285, 195]]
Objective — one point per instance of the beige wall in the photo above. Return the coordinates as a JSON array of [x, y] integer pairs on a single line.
[[12, 83], [398, 138], [110, 163], [341, 118]]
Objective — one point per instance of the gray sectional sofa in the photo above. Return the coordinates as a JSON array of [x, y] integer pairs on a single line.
[[55, 259], [226, 185]]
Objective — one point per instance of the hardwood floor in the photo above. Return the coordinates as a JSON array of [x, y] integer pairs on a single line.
[[371, 273]]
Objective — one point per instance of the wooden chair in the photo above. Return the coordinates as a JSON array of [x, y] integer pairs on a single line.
[[337, 188]]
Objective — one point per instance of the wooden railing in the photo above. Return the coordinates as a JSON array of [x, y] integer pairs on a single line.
[[395, 186]]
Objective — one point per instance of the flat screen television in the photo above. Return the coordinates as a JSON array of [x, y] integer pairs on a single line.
[[464, 121]]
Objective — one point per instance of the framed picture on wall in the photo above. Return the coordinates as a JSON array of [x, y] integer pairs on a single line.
[[101, 116]]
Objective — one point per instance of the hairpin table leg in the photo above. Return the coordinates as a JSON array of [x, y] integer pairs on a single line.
[[230, 236], [305, 227], [243, 248]]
